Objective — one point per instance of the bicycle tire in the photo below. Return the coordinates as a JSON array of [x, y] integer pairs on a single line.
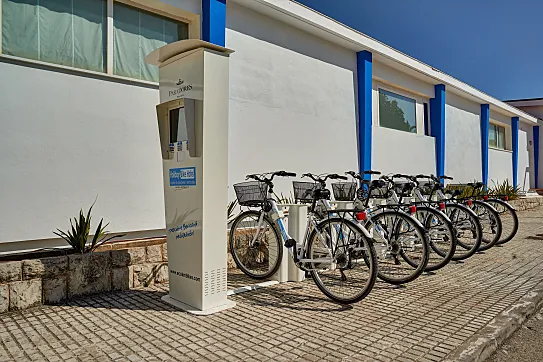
[[385, 268], [441, 236], [266, 271], [503, 209], [492, 228], [348, 251], [463, 249]]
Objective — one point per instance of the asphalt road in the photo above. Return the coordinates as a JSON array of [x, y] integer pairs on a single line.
[[526, 344]]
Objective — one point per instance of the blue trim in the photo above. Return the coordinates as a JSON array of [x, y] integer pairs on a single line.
[[485, 120], [514, 133], [214, 21], [364, 81], [536, 156], [437, 126]]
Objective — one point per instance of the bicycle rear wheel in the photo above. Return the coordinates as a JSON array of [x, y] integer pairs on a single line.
[[344, 265], [440, 236], [467, 230], [401, 245], [259, 259], [490, 223], [508, 217]]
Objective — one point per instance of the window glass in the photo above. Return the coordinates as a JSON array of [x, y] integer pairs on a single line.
[[66, 32], [496, 136], [137, 33], [397, 112]]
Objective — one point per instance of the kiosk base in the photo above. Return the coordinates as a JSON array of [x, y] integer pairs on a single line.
[[192, 310]]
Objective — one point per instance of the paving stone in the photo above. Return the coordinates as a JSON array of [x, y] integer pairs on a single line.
[[45, 267], [25, 294], [54, 290], [10, 271]]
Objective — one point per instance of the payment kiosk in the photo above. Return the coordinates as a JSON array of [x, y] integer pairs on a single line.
[[193, 128]]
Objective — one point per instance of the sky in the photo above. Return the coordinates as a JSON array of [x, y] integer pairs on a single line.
[[493, 45]]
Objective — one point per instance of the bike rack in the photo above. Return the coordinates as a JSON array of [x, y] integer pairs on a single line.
[[296, 224]]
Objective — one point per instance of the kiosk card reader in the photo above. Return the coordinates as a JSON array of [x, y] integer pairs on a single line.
[[193, 128]]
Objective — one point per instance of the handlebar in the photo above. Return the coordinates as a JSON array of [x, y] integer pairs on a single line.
[[262, 177], [322, 178]]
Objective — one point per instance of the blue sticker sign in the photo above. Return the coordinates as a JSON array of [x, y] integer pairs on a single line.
[[183, 176]]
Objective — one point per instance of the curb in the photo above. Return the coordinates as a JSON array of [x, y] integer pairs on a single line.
[[486, 341]]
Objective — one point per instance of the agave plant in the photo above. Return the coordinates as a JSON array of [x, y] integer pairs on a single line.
[[230, 209], [284, 199], [504, 189], [78, 236]]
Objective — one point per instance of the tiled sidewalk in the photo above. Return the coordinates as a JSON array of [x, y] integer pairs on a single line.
[[426, 320]]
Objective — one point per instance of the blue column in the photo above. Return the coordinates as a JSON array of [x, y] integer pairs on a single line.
[[536, 156], [514, 133], [485, 120], [214, 21], [437, 126], [364, 80]]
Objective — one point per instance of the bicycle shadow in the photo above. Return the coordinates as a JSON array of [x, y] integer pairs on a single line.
[[295, 297]]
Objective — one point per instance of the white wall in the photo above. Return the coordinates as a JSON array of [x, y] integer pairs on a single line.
[[292, 100], [402, 152], [65, 140], [523, 159], [500, 166], [463, 139]]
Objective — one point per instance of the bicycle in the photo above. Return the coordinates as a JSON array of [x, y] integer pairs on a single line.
[[400, 240], [438, 226], [332, 251], [468, 229]]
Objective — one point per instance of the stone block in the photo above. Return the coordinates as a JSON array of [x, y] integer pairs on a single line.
[[24, 294], [146, 274], [4, 298], [153, 254], [121, 279], [54, 290], [162, 275], [45, 267], [137, 255], [120, 258], [165, 252], [89, 273], [10, 271]]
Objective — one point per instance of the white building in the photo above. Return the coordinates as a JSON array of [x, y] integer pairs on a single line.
[[307, 94]]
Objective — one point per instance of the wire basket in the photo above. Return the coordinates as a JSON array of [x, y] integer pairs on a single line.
[[303, 191], [251, 193], [427, 187], [344, 191], [403, 188]]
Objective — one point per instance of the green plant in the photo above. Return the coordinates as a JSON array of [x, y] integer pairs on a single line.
[[504, 189], [78, 236]]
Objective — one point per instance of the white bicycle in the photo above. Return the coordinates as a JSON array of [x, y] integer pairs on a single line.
[[337, 252]]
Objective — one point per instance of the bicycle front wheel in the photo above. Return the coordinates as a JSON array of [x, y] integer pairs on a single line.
[[490, 223], [401, 246], [341, 260], [440, 236], [255, 244], [508, 217], [467, 229]]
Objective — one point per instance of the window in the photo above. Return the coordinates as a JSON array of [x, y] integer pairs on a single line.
[[496, 136], [74, 33], [66, 32], [137, 33], [397, 112]]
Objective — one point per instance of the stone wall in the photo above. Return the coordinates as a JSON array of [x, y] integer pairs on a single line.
[[28, 283], [527, 203]]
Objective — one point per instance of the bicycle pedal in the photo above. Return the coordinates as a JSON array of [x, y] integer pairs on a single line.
[[290, 243]]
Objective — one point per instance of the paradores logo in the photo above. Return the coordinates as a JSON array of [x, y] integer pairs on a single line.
[[182, 88]]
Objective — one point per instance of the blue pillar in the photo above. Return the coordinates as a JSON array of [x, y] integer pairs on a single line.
[[514, 132], [536, 156], [485, 120], [364, 80], [437, 126], [214, 21]]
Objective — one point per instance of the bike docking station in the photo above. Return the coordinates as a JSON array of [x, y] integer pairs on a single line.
[[193, 128]]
